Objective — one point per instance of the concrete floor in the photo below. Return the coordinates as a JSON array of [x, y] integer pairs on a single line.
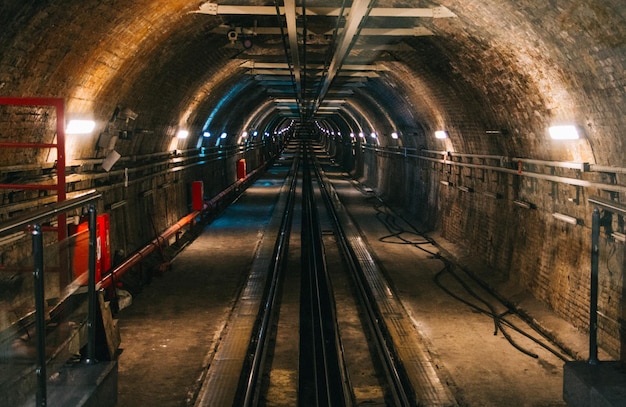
[[170, 331]]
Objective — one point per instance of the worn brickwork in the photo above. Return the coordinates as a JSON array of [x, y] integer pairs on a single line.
[[527, 246], [495, 77]]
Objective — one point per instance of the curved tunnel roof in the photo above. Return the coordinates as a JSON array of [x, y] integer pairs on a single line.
[[494, 74]]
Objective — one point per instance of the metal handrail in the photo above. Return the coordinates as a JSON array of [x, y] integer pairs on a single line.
[[34, 217], [508, 160]]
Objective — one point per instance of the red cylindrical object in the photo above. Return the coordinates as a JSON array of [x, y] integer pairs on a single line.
[[197, 195], [241, 168]]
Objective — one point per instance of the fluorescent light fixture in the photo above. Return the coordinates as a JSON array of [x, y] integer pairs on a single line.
[[80, 127], [465, 189], [565, 218], [118, 204], [182, 133], [394, 135], [493, 195], [567, 132], [206, 134], [441, 134], [522, 204]]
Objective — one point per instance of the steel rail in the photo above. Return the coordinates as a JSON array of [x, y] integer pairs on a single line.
[[324, 381], [269, 312], [398, 385]]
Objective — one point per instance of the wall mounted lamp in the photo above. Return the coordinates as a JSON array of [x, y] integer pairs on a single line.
[[567, 132], [80, 127]]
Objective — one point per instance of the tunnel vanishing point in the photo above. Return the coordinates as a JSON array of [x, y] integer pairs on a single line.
[[497, 123]]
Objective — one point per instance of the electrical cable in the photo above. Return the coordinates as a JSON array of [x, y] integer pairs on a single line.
[[388, 218]]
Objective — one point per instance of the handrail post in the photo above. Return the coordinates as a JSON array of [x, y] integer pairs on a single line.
[[593, 295], [91, 285], [40, 317]]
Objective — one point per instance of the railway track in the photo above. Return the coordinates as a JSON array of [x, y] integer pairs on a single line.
[[319, 356]]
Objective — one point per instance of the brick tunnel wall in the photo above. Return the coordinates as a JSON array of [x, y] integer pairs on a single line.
[[527, 247], [515, 66]]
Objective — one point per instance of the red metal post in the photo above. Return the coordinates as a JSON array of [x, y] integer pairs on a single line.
[[59, 105]]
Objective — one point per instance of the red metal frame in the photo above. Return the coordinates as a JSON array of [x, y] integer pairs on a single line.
[[59, 105]]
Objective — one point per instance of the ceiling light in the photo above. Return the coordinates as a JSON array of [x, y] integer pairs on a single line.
[[567, 132], [206, 134], [182, 133], [394, 135], [223, 135], [80, 127], [441, 134]]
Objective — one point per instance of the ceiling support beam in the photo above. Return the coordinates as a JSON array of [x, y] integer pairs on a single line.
[[280, 65], [292, 33], [279, 73], [430, 12], [416, 31], [358, 12]]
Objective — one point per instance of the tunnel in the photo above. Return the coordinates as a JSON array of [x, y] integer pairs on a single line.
[[494, 124]]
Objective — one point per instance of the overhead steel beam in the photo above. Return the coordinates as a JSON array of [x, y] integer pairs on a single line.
[[283, 72], [430, 12], [219, 9], [283, 66], [292, 34], [393, 32], [358, 12], [253, 31], [416, 31]]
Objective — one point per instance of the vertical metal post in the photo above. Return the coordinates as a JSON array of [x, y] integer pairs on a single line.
[[91, 286], [40, 317], [593, 296]]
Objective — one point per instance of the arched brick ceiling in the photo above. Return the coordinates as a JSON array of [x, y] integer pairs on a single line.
[[517, 66]]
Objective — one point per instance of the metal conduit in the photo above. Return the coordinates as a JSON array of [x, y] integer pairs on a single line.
[[545, 177]]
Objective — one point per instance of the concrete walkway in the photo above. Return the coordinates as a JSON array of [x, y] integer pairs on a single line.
[[171, 329]]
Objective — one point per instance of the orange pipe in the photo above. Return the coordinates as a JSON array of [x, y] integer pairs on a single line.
[[139, 255]]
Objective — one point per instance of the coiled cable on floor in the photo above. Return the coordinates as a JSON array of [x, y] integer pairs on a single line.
[[389, 219]]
